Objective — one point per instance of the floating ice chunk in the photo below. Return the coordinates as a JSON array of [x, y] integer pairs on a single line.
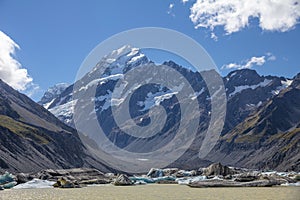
[[185, 180], [35, 183], [291, 184], [6, 178]]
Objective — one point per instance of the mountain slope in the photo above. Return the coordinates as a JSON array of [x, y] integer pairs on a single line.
[[247, 92], [268, 139], [33, 139]]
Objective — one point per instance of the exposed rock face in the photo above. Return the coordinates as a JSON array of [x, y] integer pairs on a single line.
[[122, 180], [269, 138], [33, 139]]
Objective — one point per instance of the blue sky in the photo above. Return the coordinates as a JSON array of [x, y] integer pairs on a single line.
[[55, 36]]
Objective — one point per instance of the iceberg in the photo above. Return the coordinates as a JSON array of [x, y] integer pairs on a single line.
[[291, 184], [185, 180], [164, 178], [7, 181], [6, 178], [35, 183], [142, 179], [9, 185]]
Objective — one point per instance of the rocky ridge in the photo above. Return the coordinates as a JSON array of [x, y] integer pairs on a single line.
[[247, 92]]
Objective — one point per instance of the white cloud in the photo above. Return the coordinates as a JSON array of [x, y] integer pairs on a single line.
[[32, 90], [184, 1], [170, 10], [234, 15], [271, 57], [11, 70], [249, 63], [213, 36]]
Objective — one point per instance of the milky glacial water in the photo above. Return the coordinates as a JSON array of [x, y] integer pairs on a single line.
[[154, 191]]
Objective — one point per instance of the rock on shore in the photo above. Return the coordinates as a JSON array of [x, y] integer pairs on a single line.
[[215, 175], [122, 180]]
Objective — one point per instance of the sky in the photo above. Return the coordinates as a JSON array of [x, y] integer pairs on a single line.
[[44, 42]]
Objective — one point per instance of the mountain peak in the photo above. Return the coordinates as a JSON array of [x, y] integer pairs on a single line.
[[123, 50], [121, 60], [52, 93]]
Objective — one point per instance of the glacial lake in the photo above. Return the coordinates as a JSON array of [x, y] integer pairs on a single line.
[[153, 191]]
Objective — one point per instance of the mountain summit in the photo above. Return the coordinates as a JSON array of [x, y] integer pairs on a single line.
[[248, 93], [52, 93]]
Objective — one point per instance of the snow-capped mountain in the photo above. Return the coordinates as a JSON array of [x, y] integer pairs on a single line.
[[246, 93], [269, 138], [52, 93]]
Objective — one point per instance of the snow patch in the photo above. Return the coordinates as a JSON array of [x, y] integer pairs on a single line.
[[135, 58], [155, 99], [101, 81], [284, 84], [196, 94], [240, 88], [46, 105], [65, 110], [234, 73]]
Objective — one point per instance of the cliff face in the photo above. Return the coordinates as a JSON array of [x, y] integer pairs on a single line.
[[33, 139], [269, 138]]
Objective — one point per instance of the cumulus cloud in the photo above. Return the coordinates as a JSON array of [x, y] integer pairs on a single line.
[[11, 70], [234, 15], [249, 63], [184, 1]]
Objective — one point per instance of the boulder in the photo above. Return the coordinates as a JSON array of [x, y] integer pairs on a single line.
[[170, 171], [122, 180], [65, 183], [23, 178], [217, 169], [155, 172], [183, 173]]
